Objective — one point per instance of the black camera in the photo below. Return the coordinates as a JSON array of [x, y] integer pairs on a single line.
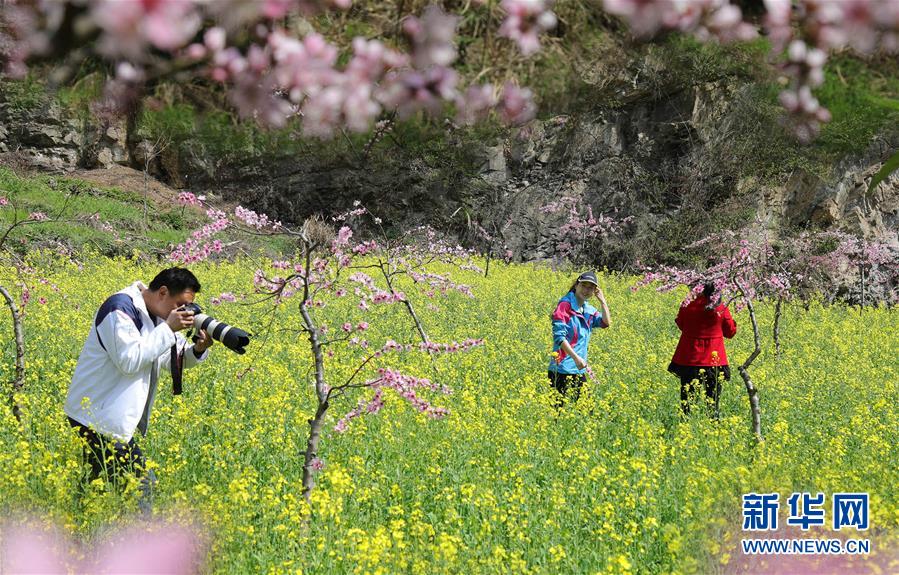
[[231, 337]]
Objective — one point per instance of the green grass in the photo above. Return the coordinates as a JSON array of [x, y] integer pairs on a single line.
[[80, 209], [25, 94], [863, 99]]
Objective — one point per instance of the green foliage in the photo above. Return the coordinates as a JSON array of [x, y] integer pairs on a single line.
[[709, 61], [108, 221], [861, 96], [890, 166], [78, 97], [26, 94], [215, 133]]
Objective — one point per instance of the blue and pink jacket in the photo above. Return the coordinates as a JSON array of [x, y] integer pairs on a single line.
[[574, 324]]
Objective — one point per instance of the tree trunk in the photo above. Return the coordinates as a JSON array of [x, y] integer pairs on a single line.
[[315, 428], [755, 410], [861, 269], [321, 394], [146, 193], [777, 312], [19, 333]]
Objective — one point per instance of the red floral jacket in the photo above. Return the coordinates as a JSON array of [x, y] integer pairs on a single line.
[[702, 333]]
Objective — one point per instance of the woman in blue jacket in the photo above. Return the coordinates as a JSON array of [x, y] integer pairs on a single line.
[[573, 321]]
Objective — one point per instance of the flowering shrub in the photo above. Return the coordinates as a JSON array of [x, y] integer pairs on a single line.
[[273, 76], [580, 235], [750, 264]]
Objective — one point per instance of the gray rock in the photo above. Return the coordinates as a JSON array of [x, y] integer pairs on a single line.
[[494, 170]]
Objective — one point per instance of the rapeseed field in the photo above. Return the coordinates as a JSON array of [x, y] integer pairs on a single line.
[[617, 483]]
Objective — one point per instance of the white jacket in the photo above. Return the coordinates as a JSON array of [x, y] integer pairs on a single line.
[[114, 384]]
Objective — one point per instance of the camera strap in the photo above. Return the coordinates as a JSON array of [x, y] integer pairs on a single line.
[[177, 369]]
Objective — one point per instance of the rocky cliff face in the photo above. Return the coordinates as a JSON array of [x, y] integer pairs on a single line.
[[841, 202], [46, 138], [657, 161]]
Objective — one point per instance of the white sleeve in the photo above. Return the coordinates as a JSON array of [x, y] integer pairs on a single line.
[[190, 360], [128, 350]]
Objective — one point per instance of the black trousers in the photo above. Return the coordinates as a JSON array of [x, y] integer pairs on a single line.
[[567, 384], [111, 459], [710, 381]]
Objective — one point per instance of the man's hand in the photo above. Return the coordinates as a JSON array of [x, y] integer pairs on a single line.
[[180, 319], [203, 342], [580, 363]]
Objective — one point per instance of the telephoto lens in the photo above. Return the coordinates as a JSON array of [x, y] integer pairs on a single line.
[[231, 337]]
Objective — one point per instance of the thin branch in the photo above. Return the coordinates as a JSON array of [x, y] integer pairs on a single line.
[[19, 334], [355, 373]]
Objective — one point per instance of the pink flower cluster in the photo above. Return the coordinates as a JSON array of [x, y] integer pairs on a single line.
[[222, 298], [343, 238], [453, 347], [718, 19], [254, 220], [362, 278], [580, 225], [516, 105], [525, 21], [189, 199], [19, 38], [443, 283], [365, 247], [273, 77], [432, 37], [742, 268], [4, 201], [405, 386], [824, 26], [33, 547], [38, 216], [429, 347], [475, 104], [25, 296], [837, 254], [358, 210], [195, 248], [129, 28], [384, 297], [192, 251]]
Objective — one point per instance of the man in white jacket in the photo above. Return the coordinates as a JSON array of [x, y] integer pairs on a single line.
[[133, 336]]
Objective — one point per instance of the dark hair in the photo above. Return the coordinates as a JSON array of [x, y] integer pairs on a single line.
[[176, 279], [709, 291]]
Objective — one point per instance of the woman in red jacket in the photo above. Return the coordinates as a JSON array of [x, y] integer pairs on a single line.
[[700, 354]]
